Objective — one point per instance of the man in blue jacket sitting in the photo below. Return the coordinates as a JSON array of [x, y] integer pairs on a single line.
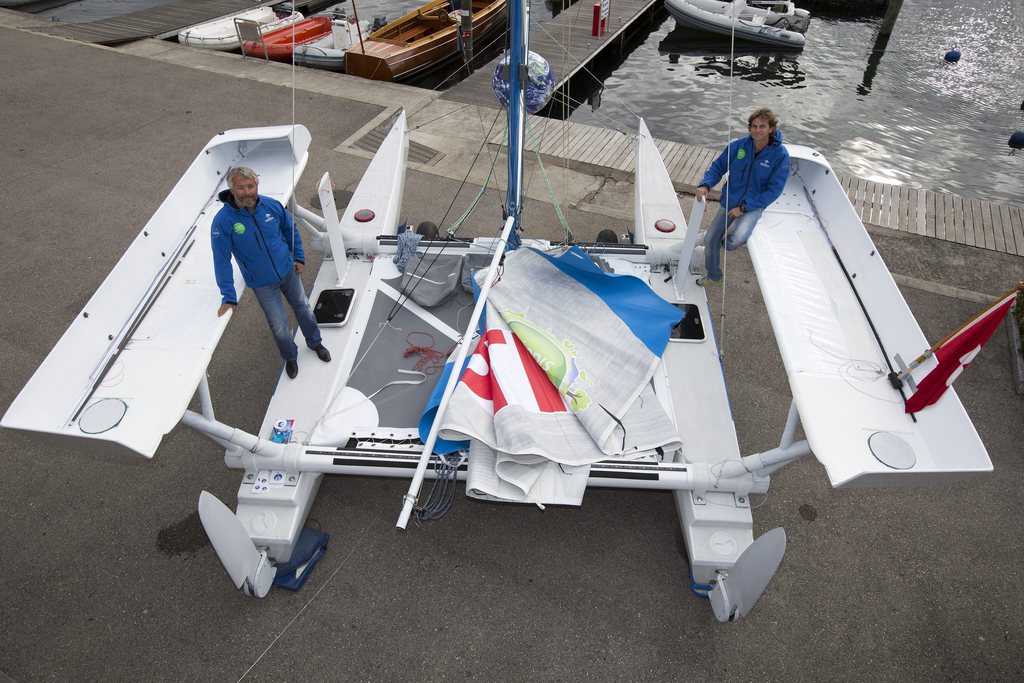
[[262, 237], [758, 165]]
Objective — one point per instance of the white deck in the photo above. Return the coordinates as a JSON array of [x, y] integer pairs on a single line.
[[836, 368], [142, 343]]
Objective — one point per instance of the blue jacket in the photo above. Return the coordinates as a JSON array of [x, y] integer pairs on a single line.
[[754, 181], [262, 243]]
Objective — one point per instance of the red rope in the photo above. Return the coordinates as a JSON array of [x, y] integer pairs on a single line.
[[430, 359]]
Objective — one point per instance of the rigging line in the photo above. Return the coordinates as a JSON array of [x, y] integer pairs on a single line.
[[326, 583], [457, 225], [860, 302], [438, 118], [403, 294], [567, 32], [583, 68], [547, 182], [465, 179], [728, 169], [359, 361], [458, 68]]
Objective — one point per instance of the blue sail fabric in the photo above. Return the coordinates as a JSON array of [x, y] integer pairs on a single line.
[[441, 446], [647, 315]]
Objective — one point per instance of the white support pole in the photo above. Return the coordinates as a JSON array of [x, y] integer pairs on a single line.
[[492, 273], [221, 433], [205, 401], [770, 461], [689, 243], [309, 220], [792, 420]]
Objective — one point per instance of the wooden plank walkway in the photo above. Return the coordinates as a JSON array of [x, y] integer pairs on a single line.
[[989, 225], [565, 42], [162, 21]]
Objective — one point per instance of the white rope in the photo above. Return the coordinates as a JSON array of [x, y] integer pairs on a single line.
[[728, 169]]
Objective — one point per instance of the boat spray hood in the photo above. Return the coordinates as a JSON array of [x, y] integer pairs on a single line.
[[127, 367]]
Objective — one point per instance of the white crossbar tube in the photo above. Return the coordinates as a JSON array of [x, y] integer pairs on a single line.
[[789, 433], [220, 432], [313, 223], [205, 400], [449, 389], [606, 474]]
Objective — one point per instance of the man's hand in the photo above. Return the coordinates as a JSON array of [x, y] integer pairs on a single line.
[[702, 192], [735, 212], [224, 308], [299, 267]]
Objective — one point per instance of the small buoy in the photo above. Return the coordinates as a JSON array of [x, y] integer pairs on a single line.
[[1017, 140], [664, 225], [364, 215], [953, 56]]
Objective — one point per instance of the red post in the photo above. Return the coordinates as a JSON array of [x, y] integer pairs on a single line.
[[599, 26]]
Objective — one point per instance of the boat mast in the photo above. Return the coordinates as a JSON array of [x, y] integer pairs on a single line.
[[518, 19]]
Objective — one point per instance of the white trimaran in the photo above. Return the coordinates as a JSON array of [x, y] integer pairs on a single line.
[[126, 370]]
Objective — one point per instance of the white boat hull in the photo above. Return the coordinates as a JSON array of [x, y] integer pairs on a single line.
[[750, 26], [220, 34]]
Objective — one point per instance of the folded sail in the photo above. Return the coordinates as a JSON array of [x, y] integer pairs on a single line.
[[542, 385]]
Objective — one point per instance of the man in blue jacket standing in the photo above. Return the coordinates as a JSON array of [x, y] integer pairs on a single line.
[[265, 243], [758, 166]]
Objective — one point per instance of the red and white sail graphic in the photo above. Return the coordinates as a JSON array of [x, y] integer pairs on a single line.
[[957, 351]]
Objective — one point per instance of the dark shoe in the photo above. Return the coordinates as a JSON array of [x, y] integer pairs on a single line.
[[323, 354], [291, 367]]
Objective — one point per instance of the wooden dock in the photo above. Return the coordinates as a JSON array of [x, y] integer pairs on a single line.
[[157, 22], [601, 151], [566, 42], [989, 225]]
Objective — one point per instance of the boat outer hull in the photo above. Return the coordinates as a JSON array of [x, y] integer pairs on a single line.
[[389, 60], [278, 45], [693, 17]]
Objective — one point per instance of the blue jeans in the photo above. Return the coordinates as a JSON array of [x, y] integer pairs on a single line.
[[742, 227], [273, 307]]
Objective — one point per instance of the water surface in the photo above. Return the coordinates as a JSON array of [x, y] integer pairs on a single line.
[[893, 112]]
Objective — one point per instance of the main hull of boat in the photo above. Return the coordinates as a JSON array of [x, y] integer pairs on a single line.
[[419, 40], [690, 15]]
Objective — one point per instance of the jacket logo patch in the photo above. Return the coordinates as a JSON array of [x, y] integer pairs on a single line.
[[239, 228], [764, 162], [267, 218], [741, 153]]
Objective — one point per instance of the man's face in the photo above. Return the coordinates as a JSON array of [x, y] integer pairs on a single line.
[[244, 191], [760, 130]]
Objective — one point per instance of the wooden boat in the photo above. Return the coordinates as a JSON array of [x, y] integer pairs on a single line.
[[220, 34], [279, 44], [422, 38]]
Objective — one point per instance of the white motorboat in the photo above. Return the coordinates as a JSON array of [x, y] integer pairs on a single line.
[[328, 53], [607, 379], [220, 34], [782, 14], [745, 22]]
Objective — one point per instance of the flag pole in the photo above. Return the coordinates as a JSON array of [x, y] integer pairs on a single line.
[[930, 352]]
